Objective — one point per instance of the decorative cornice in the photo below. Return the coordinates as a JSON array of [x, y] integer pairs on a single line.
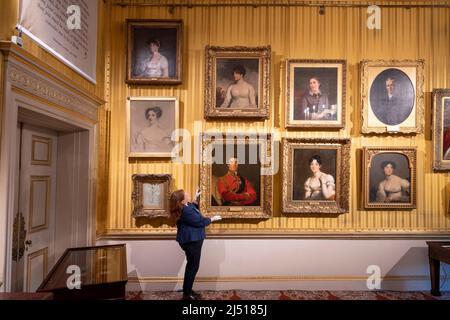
[[29, 73], [37, 86]]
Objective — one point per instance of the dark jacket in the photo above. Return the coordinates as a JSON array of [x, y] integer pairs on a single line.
[[191, 225]]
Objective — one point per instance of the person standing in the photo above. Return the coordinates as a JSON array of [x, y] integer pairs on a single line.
[[190, 235]]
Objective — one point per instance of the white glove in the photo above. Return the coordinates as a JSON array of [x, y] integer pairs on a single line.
[[197, 194], [216, 218]]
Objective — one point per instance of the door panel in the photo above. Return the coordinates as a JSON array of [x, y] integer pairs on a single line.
[[40, 197], [37, 202], [37, 269]]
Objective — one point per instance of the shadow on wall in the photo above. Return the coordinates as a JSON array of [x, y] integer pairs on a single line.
[[412, 272]]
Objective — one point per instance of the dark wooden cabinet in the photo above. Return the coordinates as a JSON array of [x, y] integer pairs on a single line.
[[101, 271]]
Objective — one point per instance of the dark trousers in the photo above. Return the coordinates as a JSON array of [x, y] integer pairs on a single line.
[[193, 252]]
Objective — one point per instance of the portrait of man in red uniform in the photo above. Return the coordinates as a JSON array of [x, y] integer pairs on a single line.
[[235, 189]]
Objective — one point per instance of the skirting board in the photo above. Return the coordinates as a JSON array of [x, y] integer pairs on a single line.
[[411, 283]]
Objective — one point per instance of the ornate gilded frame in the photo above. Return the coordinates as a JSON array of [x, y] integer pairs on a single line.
[[155, 24], [368, 154], [291, 64], [263, 54], [415, 71], [137, 197], [265, 209], [439, 163], [341, 203], [135, 154]]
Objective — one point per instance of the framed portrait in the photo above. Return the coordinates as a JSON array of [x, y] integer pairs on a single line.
[[236, 175], [150, 123], [315, 93], [392, 96], [389, 179], [316, 175], [441, 129], [237, 82], [154, 51], [151, 193]]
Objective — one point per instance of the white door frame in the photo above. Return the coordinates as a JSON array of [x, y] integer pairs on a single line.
[[30, 84]]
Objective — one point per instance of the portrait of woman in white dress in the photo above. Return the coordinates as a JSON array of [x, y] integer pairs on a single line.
[[237, 83], [392, 188], [155, 65], [239, 94], [390, 178], [153, 137], [154, 51], [319, 185], [152, 122]]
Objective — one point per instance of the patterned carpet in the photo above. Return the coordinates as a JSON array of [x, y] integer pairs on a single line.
[[291, 295]]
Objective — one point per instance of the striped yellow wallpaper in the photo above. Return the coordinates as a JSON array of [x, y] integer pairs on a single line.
[[292, 32]]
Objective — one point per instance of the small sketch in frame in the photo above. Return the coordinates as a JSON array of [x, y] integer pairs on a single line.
[[315, 93], [392, 96], [154, 53], [237, 82], [151, 193], [389, 178], [151, 122]]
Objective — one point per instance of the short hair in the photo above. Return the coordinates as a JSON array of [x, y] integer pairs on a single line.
[[239, 69], [314, 77], [156, 110], [233, 158], [390, 78], [315, 157], [155, 41], [385, 163]]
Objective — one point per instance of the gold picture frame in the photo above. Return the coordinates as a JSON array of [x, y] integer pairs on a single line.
[[304, 108], [392, 95], [151, 194], [397, 189], [242, 192], [229, 68], [150, 124], [145, 37], [300, 194], [441, 129]]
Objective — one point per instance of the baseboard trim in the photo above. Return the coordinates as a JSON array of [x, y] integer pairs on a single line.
[[278, 279], [128, 235]]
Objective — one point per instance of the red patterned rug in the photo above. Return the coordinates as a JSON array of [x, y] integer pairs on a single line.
[[291, 295]]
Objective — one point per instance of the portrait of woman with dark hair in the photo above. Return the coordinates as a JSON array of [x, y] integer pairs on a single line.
[[151, 123], [319, 185], [392, 188], [154, 51], [314, 104], [153, 137], [239, 94], [156, 65]]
